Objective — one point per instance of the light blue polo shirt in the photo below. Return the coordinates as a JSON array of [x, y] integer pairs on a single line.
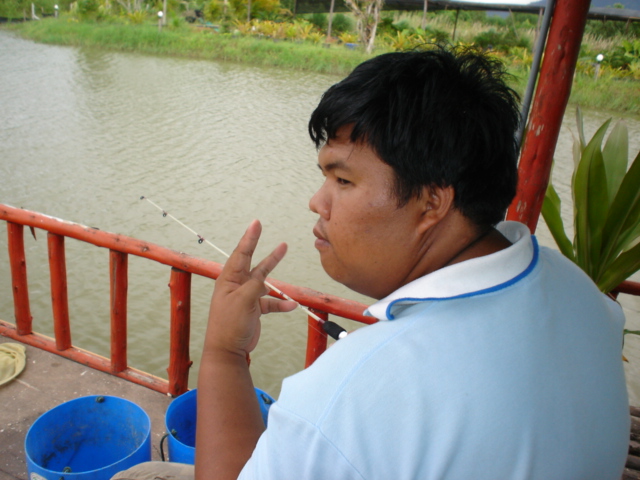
[[506, 366]]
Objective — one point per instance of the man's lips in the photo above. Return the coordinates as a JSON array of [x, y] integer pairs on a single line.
[[321, 240]]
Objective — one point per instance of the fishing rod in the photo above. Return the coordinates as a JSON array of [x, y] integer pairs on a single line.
[[331, 328]]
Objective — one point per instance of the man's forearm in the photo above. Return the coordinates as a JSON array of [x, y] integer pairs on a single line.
[[229, 422]]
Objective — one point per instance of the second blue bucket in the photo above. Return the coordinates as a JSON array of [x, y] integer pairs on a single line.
[[180, 421], [89, 438]]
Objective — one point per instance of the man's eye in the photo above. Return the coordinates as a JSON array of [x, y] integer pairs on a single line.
[[342, 181]]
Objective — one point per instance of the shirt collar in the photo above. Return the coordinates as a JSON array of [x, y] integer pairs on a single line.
[[468, 278]]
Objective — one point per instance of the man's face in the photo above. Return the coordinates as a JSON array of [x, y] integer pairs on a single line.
[[365, 241]]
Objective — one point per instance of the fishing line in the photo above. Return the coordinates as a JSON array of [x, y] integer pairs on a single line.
[[332, 329]]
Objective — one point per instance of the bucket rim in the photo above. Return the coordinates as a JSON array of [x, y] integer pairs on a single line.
[[187, 396], [147, 439]]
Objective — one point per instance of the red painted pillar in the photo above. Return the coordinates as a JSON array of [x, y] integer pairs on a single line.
[[59, 299], [316, 338], [20, 287], [549, 104], [179, 362], [118, 286]]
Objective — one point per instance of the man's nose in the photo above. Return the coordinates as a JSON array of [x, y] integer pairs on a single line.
[[318, 203]]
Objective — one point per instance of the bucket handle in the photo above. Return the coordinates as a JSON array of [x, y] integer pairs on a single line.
[[164, 437]]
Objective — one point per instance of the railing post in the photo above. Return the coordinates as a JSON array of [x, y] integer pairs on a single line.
[[316, 338], [19, 284], [550, 101], [119, 284], [179, 362], [59, 299]]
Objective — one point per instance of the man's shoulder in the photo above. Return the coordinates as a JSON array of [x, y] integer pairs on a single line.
[[570, 277], [317, 386]]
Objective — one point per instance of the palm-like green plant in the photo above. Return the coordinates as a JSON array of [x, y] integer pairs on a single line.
[[606, 208], [402, 40]]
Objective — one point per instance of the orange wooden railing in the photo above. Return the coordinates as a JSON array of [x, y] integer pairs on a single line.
[[120, 247], [183, 266]]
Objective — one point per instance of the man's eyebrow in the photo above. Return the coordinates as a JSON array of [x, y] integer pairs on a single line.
[[338, 164]]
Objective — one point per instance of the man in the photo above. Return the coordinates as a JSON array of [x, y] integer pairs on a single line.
[[493, 358]]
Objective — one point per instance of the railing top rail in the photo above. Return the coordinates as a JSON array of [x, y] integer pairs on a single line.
[[310, 298]]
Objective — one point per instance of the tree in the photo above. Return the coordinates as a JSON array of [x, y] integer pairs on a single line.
[[424, 16], [367, 13]]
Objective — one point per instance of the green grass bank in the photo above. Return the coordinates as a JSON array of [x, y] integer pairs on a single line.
[[192, 42], [620, 96]]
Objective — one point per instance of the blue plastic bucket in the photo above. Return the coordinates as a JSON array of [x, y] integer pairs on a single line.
[[89, 438], [180, 421]]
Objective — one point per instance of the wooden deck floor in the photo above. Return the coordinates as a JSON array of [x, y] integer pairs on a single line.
[[49, 380], [632, 470]]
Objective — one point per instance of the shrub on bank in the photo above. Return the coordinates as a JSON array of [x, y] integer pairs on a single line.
[[87, 8], [342, 23], [622, 60], [502, 41], [259, 8]]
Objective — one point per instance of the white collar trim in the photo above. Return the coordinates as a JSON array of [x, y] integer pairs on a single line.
[[469, 277]]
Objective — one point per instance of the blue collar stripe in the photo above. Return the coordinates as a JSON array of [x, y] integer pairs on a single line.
[[495, 288]]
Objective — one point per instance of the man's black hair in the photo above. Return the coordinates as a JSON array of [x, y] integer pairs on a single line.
[[438, 117]]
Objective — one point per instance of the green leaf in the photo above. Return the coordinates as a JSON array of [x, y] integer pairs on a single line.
[[552, 217], [622, 268], [616, 157], [580, 123], [633, 219], [634, 237], [582, 203], [578, 147], [621, 227], [577, 155], [598, 201]]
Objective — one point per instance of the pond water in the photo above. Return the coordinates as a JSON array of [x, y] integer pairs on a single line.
[[85, 133]]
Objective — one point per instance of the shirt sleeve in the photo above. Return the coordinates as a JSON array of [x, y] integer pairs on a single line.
[[291, 448]]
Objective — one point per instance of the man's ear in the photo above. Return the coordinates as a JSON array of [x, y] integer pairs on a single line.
[[436, 203]]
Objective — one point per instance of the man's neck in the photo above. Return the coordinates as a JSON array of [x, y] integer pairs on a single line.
[[456, 239]]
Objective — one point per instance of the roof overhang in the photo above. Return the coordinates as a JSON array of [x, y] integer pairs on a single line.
[[601, 13]]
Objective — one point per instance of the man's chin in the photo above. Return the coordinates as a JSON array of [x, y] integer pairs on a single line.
[[330, 268], [340, 277]]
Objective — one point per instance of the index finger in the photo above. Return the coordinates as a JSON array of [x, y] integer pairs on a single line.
[[237, 267]]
